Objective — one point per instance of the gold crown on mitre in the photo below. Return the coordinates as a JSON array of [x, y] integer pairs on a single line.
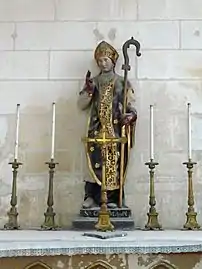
[[104, 49]]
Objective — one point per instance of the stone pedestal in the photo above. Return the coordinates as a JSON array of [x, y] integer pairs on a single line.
[[121, 218]]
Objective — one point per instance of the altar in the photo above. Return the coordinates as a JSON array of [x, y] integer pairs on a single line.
[[33, 249]]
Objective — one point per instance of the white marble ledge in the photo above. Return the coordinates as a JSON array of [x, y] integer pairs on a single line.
[[51, 243]]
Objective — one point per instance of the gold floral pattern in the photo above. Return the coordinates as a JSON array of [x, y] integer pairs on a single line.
[[105, 112]]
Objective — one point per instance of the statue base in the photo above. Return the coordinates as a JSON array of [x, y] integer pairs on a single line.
[[119, 217]]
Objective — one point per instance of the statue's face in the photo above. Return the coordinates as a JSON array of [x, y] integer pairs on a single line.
[[105, 64]]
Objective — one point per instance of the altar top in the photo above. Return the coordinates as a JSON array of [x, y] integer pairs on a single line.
[[53, 243]]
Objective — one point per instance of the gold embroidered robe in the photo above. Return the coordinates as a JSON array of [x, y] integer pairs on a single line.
[[106, 109]]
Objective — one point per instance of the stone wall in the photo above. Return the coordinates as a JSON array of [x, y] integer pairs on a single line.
[[173, 261], [46, 47]]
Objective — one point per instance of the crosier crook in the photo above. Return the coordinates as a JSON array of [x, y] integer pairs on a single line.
[[126, 68]]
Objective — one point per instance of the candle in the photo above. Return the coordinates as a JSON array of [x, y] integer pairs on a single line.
[[189, 131], [17, 132], [151, 133], [53, 133]]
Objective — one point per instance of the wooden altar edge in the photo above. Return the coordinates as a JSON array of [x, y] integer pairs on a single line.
[[69, 243]]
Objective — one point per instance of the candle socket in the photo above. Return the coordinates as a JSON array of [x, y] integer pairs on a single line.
[[152, 223], [191, 222], [12, 223], [49, 222]]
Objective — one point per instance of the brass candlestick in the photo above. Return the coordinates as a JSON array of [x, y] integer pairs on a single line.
[[12, 223], [104, 223], [191, 223], [49, 223], [152, 223]]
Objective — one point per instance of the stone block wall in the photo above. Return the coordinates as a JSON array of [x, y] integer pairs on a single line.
[[46, 48]]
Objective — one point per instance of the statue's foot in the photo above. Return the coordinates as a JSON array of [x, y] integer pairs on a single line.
[[88, 203], [112, 205]]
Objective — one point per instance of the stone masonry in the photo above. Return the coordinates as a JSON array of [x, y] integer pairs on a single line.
[[46, 48]]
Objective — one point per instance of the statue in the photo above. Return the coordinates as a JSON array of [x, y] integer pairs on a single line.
[[104, 96]]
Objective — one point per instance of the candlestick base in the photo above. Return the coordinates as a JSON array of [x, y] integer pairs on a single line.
[[12, 223], [49, 222], [153, 223], [191, 223]]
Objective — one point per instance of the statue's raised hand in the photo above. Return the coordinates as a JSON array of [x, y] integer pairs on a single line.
[[89, 83]]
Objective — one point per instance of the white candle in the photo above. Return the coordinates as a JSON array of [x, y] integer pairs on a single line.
[[189, 131], [151, 132], [17, 132], [53, 133]]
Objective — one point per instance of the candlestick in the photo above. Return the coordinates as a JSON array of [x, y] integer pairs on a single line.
[[49, 222], [191, 222], [152, 223], [12, 223], [17, 132], [189, 132], [151, 132], [53, 133]]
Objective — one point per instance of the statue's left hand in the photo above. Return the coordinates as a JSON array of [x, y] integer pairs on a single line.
[[128, 119]]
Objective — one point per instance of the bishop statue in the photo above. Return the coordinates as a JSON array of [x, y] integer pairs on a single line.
[[103, 95]]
